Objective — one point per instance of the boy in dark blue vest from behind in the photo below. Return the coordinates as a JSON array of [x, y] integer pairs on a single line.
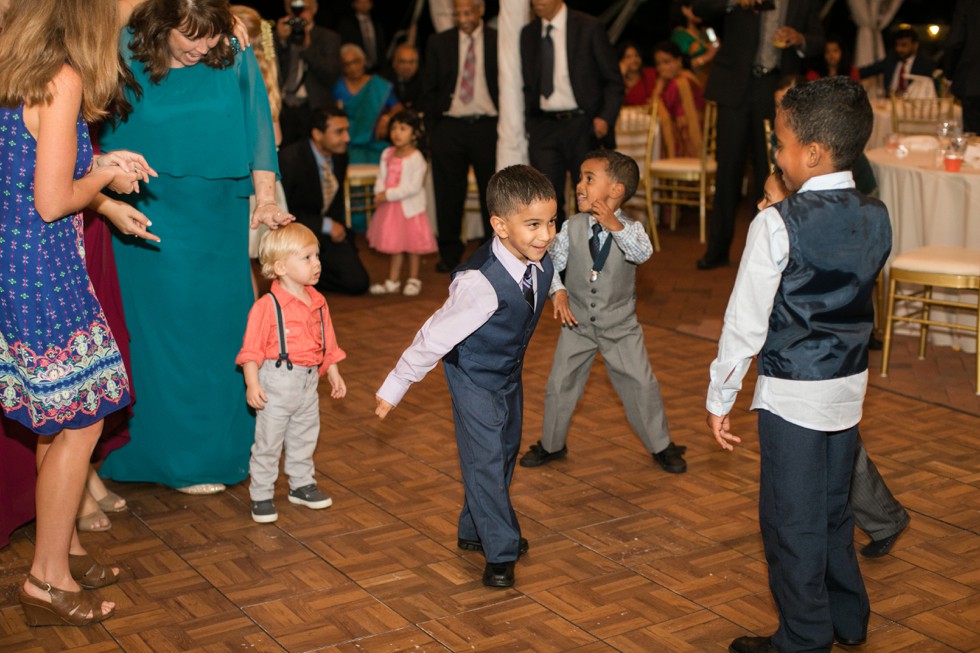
[[802, 302], [480, 334]]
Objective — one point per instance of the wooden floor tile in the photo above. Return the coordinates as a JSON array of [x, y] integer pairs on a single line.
[[609, 605], [324, 618], [516, 625], [396, 641]]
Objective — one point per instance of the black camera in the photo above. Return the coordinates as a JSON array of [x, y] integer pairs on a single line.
[[297, 24]]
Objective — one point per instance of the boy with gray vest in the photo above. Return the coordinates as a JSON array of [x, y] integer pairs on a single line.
[[802, 302], [481, 334], [599, 250]]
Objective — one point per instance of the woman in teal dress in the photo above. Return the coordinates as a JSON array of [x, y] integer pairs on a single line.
[[370, 103], [201, 113]]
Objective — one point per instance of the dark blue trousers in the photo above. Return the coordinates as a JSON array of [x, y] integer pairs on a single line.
[[808, 534], [488, 436]]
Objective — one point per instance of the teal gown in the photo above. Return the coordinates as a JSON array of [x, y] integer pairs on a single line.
[[187, 298]]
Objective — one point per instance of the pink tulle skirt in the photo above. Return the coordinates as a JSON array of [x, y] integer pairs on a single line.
[[390, 232]]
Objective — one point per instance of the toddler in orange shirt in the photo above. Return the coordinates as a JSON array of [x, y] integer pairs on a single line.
[[289, 343]]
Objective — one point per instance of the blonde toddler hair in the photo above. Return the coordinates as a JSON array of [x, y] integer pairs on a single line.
[[278, 244]]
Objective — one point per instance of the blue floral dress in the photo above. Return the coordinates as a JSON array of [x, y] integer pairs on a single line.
[[59, 364]]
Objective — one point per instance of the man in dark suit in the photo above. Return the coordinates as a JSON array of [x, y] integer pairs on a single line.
[[572, 90], [459, 98], [309, 64], [962, 62], [405, 77], [313, 172], [362, 29], [759, 46], [902, 61]]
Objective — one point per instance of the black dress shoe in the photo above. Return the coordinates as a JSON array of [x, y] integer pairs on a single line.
[[874, 344], [752, 645], [711, 262], [878, 548], [442, 266], [538, 455], [672, 459], [477, 545], [843, 641], [498, 574]]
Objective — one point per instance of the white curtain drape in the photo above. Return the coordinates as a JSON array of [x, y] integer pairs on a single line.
[[441, 12], [871, 16], [511, 137]]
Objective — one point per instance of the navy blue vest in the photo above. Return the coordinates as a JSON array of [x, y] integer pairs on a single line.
[[493, 355], [823, 313]]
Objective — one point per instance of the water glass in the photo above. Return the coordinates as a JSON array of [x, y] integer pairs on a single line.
[[945, 130], [955, 152]]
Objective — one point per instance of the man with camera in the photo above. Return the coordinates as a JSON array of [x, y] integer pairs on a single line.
[[309, 64]]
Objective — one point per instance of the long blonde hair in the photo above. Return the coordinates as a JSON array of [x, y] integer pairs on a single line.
[[41, 36], [260, 34]]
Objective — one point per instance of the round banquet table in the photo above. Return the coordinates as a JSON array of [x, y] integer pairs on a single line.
[[929, 206]]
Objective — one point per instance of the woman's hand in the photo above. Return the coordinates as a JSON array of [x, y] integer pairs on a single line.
[[123, 182], [125, 218], [128, 169], [240, 32], [128, 161], [271, 216]]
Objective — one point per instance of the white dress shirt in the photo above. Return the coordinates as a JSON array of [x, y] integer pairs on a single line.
[[897, 75], [481, 105], [828, 405], [562, 98], [472, 301]]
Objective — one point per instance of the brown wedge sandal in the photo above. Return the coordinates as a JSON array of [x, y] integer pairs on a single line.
[[88, 573], [65, 608]]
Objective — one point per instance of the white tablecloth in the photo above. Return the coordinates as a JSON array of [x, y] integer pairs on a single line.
[[929, 206]]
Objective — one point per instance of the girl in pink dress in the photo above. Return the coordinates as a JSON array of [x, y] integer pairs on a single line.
[[401, 225]]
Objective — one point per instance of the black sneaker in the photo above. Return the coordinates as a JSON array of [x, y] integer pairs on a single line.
[[672, 459], [264, 512], [537, 455], [310, 497]]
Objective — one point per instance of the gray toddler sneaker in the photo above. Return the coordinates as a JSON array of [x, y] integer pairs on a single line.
[[311, 497], [264, 512]]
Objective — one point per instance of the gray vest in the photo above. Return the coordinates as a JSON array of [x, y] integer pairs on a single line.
[[610, 299]]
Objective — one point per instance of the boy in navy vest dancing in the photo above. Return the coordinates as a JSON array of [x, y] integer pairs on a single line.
[[802, 302], [481, 333]]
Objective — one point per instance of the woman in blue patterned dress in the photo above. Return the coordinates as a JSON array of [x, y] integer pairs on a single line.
[[60, 369]]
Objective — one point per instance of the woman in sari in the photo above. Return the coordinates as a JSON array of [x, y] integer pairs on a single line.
[[368, 101], [691, 37], [681, 102], [638, 79]]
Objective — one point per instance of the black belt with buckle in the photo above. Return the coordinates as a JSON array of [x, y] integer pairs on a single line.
[[762, 71], [476, 117], [562, 115]]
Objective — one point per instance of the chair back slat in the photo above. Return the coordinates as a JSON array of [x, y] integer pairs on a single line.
[[919, 116]]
